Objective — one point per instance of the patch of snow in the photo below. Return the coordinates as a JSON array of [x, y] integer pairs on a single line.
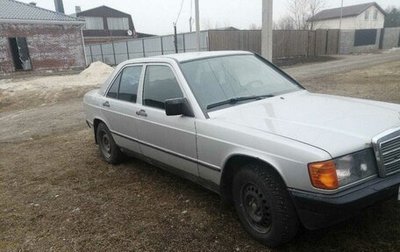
[[94, 76], [394, 49]]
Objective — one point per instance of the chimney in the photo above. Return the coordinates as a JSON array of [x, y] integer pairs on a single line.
[[78, 9], [59, 6], [32, 3]]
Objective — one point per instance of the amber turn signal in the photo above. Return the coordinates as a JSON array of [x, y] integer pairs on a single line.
[[323, 175]]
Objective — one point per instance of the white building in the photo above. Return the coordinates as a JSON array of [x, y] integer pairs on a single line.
[[362, 16]]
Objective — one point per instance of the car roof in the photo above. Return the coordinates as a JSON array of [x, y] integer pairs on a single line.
[[183, 57]]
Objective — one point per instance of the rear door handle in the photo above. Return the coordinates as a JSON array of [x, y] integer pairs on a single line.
[[106, 104], [141, 113]]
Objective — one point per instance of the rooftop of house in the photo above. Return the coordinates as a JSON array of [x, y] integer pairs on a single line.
[[348, 11], [14, 11]]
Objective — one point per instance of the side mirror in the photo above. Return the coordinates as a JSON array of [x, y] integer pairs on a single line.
[[178, 106]]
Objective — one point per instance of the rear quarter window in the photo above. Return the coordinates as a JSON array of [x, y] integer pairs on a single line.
[[113, 91]]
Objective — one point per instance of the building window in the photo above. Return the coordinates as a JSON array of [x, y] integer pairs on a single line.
[[376, 15], [367, 15], [94, 23], [118, 23]]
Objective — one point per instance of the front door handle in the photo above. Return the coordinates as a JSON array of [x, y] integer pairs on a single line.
[[141, 113], [106, 104]]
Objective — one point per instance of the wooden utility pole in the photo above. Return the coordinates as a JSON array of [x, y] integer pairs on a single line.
[[266, 37]]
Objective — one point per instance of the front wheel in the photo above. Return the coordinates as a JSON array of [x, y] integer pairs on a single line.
[[263, 205], [107, 146]]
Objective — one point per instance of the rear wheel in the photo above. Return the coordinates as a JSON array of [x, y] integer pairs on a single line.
[[107, 146], [263, 205]]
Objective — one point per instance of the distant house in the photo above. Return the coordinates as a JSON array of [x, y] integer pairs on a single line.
[[362, 16], [229, 28], [36, 39], [105, 24]]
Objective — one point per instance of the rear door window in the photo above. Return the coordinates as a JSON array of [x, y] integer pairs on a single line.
[[129, 84]]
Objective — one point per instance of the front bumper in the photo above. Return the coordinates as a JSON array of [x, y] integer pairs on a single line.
[[321, 210]]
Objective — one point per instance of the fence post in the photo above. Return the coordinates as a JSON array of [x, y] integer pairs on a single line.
[[184, 43], [162, 45], [115, 57], [308, 43], [315, 43], [381, 39], [399, 40], [91, 53], [326, 42], [102, 56], [127, 50], [143, 49]]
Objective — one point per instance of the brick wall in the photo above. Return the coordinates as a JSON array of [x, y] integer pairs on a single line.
[[51, 47]]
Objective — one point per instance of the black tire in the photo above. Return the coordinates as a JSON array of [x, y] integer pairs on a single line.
[[109, 150], [264, 205]]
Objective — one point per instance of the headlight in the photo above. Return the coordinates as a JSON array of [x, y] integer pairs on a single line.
[[356, 166], [342, 171]]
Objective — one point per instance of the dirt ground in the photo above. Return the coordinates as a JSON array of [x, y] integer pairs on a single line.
[[381, 83], [57, 194]]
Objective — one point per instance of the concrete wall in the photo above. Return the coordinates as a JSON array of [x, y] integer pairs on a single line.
[[391, 38], [51, 47], [358, 22], [346, 44]]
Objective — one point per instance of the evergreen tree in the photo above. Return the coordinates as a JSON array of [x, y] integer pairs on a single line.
[[392, 18]]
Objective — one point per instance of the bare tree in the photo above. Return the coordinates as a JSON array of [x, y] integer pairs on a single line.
[[254, 27], [285, 23], [302, 11], [299, 13], [208, 25], [315, 6]]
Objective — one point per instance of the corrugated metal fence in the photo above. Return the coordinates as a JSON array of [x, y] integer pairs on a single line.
[[286, 43], [119, 51]]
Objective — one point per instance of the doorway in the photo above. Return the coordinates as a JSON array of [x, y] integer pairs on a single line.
[[20, 54]]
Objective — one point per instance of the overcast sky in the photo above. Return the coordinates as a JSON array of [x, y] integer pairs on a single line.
[[157, 16]]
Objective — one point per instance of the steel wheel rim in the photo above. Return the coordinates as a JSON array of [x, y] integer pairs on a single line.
[[256, 209], [105, 144]]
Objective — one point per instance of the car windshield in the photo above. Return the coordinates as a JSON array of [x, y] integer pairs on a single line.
[[224, 81]]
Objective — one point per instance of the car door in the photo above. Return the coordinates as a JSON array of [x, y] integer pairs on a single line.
[[119, 107], [168, 139]]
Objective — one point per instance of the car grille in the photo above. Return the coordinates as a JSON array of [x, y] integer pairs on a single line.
[[391, 155], [387, 149]]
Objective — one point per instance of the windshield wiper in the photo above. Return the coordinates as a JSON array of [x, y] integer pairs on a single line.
[[238, 99]]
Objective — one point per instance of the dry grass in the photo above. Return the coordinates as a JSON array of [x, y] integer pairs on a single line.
[[381, 83], [58, 195]]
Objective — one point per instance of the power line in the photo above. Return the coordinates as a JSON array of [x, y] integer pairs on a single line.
[[191, 8], [180, 11], [191, 16]]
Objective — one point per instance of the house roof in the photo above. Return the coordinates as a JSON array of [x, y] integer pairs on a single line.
[[14, 11], [101, 11], [348, 11]]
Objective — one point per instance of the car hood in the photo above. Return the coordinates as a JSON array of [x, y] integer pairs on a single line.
[[338, 125]]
